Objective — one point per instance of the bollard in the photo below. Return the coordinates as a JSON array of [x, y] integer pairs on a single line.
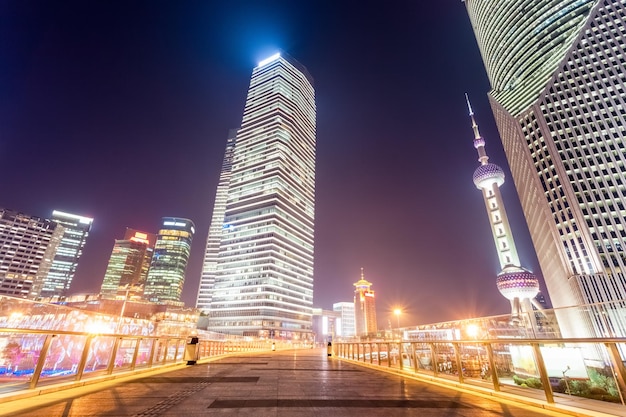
[[329, 349]]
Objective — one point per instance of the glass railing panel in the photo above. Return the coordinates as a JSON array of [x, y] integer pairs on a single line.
[[445, 359], [143, 356], [63, 356], [124, 354], [581, 370], [171, 350], [517, 366], [100, 350], [375, 347], [474, 360], [394, 354], [159, 352], [383, 354], [181, 349], [366, 355], [424, 357], [406, 356], [19, 353], [504, 364]]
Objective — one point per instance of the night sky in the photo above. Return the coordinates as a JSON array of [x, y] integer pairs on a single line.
[[120, 110]]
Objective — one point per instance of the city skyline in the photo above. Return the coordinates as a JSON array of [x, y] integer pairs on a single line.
[[159, 95]]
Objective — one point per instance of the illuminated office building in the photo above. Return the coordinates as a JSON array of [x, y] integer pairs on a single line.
[[262, 284], [166, 275], [129, 263], [63, 269], [27, 247], [211, 253], [346, 327], [364, 308], [557, 70]]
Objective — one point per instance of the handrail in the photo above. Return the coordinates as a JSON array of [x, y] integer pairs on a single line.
[[508, 362], [34, 358]]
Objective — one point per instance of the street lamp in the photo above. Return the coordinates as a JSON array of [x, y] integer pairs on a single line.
[[397, 312]]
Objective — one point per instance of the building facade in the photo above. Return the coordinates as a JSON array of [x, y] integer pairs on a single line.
[[27, 248], [364, 308], [212, 249], [557, 70], [129, 264], [65, 262], [346, 311], [262, 284], [166, 275]]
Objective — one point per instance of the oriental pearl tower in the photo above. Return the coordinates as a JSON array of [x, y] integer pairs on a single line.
[[517, 284]]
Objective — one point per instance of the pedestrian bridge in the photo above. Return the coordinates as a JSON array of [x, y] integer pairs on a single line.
[[302, 382], [127, 375]]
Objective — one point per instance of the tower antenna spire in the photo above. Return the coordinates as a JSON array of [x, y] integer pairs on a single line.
[[514, 282]]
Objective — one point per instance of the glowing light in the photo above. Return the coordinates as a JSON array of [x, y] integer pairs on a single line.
[[472, 330], [269, 59]]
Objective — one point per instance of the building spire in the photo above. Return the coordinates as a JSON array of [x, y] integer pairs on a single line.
[[479, 142]]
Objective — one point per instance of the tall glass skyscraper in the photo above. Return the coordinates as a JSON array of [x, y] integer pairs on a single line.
[[211, 253], [28, 245], [261, 281], [558, 72], [166, 276], [63, 269], [129, 264]]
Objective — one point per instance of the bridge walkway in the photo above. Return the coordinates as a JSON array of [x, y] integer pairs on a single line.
[[302, 382]]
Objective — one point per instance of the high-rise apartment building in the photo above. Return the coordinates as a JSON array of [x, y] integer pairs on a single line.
[[557, 69], [364, 308], [129, 263], [212, 251], [346, 310], [166, 275], [63, 269], [27, 247], [262, 281]]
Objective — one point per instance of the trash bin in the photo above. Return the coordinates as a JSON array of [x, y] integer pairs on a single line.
[[329, 349], [192, 351]]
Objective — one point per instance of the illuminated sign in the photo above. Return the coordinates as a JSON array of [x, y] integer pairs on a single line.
[[140, 235], [177, 224]]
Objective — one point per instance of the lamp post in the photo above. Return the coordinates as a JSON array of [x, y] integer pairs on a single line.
[[397, 312]]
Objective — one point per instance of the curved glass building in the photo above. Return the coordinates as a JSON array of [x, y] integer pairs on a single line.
[[558, 72]]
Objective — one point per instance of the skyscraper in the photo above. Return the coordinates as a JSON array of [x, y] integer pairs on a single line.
[[262, 284], [63, 269], [211, 253], [557, 69], [166, 275], [346, 309], [364, 308], [27, 247], [129, 264], [517, 284]]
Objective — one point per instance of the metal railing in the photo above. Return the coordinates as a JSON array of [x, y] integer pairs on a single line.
[[31, 359], [555, 369]]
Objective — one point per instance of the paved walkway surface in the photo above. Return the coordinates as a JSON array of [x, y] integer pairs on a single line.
[[302, 383]]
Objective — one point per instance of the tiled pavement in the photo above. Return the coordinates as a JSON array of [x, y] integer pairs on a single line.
[[302, 383]]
